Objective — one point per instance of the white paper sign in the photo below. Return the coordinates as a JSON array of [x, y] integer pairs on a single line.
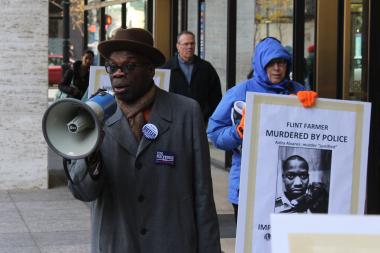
[[99, 79], [325, 233], [162, 78], [299, 160]]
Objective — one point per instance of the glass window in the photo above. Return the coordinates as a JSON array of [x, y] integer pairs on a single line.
[[55, 60], [135, 17], [93, 32], [356, 90], [309, 49], [354, 57], [274, 18], [136, 14], [113, 19]]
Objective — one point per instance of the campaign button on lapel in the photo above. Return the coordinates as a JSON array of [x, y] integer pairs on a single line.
[[150, 131]]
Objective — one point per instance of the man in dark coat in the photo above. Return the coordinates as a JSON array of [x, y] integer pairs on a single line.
[[150, 181], [193, 77]]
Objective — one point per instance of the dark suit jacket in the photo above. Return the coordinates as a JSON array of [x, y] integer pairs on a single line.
[[204, 87], [142, 205]]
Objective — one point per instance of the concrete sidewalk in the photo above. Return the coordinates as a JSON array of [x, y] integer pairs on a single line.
[[52, 221]]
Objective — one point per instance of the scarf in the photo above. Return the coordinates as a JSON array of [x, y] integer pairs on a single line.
[[134, 112]]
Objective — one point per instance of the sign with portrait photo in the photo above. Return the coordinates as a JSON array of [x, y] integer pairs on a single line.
[[99, 79], [299, 160]]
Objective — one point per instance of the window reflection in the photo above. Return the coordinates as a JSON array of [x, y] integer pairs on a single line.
[[309, 48], [357, 90], [136, 14], [112, 19], [93, 32], [274, 18], [135, 17]]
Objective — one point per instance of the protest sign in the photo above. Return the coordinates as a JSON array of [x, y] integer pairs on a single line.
[[325, 233], [299, 160]]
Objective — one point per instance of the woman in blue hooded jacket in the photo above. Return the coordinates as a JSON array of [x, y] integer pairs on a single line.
[[271, 68]]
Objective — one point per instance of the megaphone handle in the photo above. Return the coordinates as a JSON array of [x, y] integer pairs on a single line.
[[94, 165], [93, 169], [65, 161]]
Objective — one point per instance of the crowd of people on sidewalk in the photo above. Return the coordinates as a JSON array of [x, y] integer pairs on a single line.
[[149, 181]]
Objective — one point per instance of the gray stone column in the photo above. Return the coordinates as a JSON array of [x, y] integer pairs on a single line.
[[24, 83], [245, 31], [216, 37], [192, 18]]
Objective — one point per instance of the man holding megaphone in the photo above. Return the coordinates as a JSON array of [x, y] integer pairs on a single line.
[[148, 176]]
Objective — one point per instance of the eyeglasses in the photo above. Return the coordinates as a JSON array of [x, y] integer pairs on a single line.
[[186, 44], [279, 62], [112, 68]]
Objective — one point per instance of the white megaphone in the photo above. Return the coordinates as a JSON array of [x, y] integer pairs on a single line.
[[72, 128]]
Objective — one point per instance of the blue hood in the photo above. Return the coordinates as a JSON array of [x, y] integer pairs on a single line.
[[267, 50]]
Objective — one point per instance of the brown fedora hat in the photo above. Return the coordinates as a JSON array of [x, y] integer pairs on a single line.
[[136, 40]]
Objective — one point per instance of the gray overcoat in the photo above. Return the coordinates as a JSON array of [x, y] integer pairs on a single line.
[[154, 196]]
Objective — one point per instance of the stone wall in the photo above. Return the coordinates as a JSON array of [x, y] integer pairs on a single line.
[[245, 30], [23, 79], [216, 37], [215, 33], [192, 19]]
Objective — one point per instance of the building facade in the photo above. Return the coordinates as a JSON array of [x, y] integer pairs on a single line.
[[334, 45], [23, 78]]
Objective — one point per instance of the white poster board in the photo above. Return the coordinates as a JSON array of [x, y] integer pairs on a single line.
[[162, 78], [325, 233], [331, 137], [99, 79]]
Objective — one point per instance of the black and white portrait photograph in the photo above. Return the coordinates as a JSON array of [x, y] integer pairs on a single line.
[[303, 178]]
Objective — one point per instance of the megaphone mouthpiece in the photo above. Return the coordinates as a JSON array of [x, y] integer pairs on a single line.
[[80, 123]]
